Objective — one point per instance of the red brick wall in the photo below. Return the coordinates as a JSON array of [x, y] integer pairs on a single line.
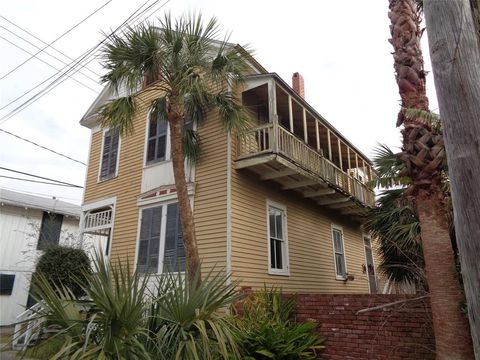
[[402, 331]]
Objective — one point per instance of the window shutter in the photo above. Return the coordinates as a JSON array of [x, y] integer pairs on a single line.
[[174, 259], [109, 155], [149, 245]]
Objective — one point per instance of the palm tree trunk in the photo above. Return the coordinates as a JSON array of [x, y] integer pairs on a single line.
[[452, 337], [424, 156], [186, 215]]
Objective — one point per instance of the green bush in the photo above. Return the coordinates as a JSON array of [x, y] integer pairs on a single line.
[[268, 333], [64, 266]]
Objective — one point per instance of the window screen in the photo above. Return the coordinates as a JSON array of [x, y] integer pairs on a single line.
[[277, 238], [340, 267]]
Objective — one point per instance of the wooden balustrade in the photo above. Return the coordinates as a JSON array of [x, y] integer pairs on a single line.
[[271, 138]]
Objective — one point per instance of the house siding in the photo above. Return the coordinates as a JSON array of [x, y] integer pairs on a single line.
[[309, 240]]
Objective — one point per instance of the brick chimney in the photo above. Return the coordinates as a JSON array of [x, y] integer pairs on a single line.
[[298, 84]]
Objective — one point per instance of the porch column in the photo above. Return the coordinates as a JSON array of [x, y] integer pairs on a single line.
[[340, 153], [272, 107], [348, 156], [317, 133], [329, 145], [290, 113], [305, 132]]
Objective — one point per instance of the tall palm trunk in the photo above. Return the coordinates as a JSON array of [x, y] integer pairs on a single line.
[[424, 154], [175, 119]]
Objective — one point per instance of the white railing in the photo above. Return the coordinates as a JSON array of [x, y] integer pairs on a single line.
[[27, 327], [275, 139], [98, 220]]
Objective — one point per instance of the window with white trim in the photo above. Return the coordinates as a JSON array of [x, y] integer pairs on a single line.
[[277, 240], [108, 168], [160, 245], [157, 139], [339, 253]]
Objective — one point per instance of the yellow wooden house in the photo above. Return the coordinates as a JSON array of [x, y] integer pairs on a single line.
[[281, 204]]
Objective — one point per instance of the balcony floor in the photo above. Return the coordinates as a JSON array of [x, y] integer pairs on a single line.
[[293, 177]]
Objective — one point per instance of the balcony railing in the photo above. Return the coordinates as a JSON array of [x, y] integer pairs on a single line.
[[270, 138]]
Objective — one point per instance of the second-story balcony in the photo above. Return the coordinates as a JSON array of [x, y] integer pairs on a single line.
[[289, 148]]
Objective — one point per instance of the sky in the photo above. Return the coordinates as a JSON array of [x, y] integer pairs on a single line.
[[341, 49]]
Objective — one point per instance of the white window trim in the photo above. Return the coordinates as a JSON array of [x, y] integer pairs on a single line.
[[365, 235], [339, 228], [286, 270], [163, 203], [99, 179], [167, 144]]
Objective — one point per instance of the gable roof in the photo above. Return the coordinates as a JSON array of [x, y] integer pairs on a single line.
[[19, 199]]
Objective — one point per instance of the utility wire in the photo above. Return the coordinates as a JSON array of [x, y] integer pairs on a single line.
[[58, 38], [51, 47], [45, 62], [49, 54], [38, 181], [78, 61], [42, 147], [39, 177]]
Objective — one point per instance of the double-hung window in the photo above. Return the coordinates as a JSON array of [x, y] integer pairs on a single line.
[[277, 239], [108, 168], [160, 245], [339, 253], [157, 139]]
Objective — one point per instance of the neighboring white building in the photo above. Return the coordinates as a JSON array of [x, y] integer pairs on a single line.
[[29, 224]]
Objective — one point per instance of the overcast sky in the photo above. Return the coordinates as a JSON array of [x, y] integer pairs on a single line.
[[340, 47]]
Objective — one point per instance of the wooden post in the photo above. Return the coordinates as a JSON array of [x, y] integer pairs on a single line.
[[317, 133], [272, 107], [356, 161], [305, 131], [348, 155], [455, 53], [364, 171], [290, 113], [329, 145], [340, 152]]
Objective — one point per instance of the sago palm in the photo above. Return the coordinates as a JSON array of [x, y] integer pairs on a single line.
[[190, 71], [424, 158]]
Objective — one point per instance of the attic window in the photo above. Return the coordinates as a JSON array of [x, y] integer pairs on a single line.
[[6, 284], [49, 230]]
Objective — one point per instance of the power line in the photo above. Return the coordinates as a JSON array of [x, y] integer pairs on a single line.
[[39, 182], [78, 61], [39, 177], [43, 147], [58, 38], [45, 62], [36, 37], [49, 54]]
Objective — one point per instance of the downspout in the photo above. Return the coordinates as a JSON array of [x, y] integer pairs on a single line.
[[229, 207]]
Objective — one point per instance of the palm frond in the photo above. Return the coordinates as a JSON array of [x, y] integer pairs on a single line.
[[388, 167], [425, 117], [118, 115], [191, 145], [233, 114]]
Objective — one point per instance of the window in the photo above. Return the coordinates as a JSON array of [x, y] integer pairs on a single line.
[[161, 224], [49, 230], [108, 167], [277, 240], [6, 284], [157, 139], [339, 253]]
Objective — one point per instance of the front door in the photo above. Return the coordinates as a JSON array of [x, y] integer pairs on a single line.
[[370, 267]]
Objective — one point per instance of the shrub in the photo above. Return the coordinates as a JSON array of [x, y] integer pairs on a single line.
[[64, 266], [122, 319], [268, 332]]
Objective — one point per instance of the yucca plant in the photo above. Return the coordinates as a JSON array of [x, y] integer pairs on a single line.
[[269, 333]]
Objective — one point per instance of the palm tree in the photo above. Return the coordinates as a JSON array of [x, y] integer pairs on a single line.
[[190, 72], [424, 158]]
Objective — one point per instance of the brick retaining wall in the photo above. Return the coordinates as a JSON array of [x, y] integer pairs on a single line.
[[402, 331]]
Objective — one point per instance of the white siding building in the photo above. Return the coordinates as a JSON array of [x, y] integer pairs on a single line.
[[28, 224]]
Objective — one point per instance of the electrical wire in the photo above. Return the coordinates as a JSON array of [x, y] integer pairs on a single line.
[[48, 53], [43, 42], [43, 147], [45, 62], [58, 38], [38, 181], [78, 61], [39, 177]]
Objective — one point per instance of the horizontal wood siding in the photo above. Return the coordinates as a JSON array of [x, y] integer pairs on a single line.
[[210, 193], [309, 240]]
